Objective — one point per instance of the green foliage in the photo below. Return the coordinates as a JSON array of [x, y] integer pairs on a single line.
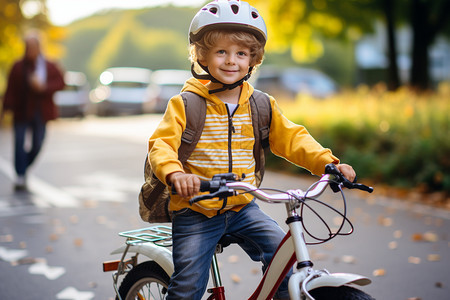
[[154, 38], [400, 138]]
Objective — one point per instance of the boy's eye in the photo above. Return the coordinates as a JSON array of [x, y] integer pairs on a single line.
[[221, 52], [242, 53]]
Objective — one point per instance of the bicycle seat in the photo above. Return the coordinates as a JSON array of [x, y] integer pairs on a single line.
[[226, 240]]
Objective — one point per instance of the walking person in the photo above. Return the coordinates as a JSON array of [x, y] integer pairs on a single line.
[[32, 82]]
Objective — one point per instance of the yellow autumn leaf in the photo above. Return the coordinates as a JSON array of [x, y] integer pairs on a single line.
[[379, 272], [235, 278], [414, 260], [433, 257]]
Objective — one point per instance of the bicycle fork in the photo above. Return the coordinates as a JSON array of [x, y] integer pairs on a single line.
[[305, 278]]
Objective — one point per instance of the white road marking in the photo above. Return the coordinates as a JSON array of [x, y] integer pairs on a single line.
[[72, 293], [11, 255], [41, 268], [44, 194]]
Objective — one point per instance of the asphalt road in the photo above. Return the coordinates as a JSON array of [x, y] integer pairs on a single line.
[[83, 191]]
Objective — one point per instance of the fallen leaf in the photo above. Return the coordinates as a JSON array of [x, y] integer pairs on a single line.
[[330, 246], [6, 238], [319, 256], [255, 271], [415, 298], [26, 261], [430, 237], [22, 245], [235, 278], [101, 220], [233, 259], [60, 230], [385, 221], [348, 259], [438, 284], [90, 204], [54, 237], [379, 272], [398, 234], [49, 249], [393, 245], [78, 242], [433, 257], [74, 219], [371, 200], [414, 260], [337, 221]]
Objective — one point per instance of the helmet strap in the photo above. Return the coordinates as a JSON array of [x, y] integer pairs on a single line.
[[225, 86]]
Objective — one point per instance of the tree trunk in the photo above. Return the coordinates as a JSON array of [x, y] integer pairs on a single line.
[[420, 78], [393, 81]]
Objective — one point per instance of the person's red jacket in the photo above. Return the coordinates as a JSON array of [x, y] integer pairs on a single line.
[[23, 101]]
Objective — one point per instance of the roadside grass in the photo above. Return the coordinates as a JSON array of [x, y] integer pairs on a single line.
[[400, 139]]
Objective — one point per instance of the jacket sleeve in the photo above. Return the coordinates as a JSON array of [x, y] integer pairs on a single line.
[[294, 143], [55, 79], [164, 143], [11, 88]]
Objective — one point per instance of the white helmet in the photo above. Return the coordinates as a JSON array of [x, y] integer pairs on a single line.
[[227, 14]]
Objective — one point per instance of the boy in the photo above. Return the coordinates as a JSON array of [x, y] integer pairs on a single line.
[[227, 41]]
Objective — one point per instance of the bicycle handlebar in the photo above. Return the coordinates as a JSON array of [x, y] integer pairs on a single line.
[[226, 185]]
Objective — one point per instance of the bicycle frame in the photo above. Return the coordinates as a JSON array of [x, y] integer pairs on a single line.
[[292, 250]]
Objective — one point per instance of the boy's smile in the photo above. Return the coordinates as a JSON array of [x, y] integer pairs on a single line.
[[227, 62]]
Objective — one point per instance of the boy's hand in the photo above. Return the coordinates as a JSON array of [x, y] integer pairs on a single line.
[[347, 171], [186, 185]]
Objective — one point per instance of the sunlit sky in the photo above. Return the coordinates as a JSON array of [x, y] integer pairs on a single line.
[[63, 12]]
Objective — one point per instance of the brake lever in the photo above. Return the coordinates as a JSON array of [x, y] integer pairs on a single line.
[[222, 193], [333, 170]]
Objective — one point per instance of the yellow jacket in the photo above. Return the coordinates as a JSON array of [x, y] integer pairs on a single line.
[[214, 153]]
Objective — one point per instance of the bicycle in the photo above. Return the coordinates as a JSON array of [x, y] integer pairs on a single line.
[[150, 279]]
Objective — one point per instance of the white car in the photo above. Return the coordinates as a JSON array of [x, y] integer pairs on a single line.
[[122, 91], [164, 85], [72, 101]]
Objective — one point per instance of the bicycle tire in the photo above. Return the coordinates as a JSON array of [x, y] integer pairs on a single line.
[[145, 281], [339, 293]]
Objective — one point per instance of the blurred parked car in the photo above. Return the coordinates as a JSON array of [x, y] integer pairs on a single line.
[[72, 101], [164, 85], [122, 91], [292, 81]]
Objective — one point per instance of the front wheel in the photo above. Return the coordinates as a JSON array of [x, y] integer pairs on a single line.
[[145, 281], [339, 293]]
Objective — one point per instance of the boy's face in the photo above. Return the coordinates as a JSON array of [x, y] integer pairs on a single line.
[[228, 62]]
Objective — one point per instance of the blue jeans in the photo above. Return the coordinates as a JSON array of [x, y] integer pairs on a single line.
[[194, 241], [23, 158]]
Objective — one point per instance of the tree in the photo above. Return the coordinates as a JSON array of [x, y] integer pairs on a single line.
[[428, 19], [300, 24], [10, 41]]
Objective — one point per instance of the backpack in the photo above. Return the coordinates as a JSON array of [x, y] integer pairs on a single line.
[[154, 196]]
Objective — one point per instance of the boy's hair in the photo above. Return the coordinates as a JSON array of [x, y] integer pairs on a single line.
[[199, 49]]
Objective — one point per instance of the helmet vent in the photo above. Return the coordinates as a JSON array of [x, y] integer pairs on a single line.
[[213, 10], [254, 15], [235, 8]]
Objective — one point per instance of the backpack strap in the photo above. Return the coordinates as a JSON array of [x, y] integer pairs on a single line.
[[195, 111], [261, 118]]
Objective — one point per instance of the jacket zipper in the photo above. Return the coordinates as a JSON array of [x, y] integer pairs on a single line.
[[231, 130]]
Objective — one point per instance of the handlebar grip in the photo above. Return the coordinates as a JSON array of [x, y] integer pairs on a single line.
[[205, 186]]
